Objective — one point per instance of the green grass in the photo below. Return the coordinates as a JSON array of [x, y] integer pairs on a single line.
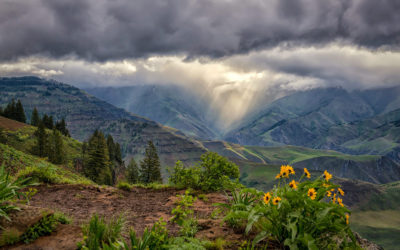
[[293, 154], [21, 164], [23, 139]]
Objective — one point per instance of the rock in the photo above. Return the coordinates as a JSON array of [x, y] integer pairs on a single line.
[[365, 244]]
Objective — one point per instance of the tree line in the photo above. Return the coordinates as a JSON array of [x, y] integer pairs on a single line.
[[15, 111], [101, 155]]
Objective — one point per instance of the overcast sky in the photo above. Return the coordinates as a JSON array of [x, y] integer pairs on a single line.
[[240, 50]]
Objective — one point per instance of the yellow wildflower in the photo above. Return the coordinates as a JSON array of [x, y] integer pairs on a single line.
[[307, 173], [326, 185], [340, 201], [293, 184], [290, 169], [328, 193], [312, 194], [347, 219], [341, 192], [276, 200], [267, 198], [278, 176], [327, 175], [334, 198]]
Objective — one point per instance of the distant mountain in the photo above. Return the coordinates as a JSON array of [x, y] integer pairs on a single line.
[[331, 118], [85, 113], [169, 105]]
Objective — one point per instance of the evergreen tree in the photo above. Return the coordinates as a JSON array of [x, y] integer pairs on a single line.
[[97, 166], [132, 172], [48, 121], [40, 147], [150, 165], [10, 110], [56, 152], [61, 126], [111, 148], [19, 112], [118, 155], [35, 119]]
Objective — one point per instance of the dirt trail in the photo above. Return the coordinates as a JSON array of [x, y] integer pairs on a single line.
[[141, 208]]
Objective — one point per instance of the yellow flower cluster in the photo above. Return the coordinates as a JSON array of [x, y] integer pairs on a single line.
[[312, 193], [293, 184], [327, 175], [307, 173], [286, 170], [275, 200]]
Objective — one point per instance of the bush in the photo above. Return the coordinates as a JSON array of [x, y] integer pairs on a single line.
[[44, 227], [212, 174], [183, 209], [9, 190], [154, 238], [124, 186], [299, 215], [100, 234]]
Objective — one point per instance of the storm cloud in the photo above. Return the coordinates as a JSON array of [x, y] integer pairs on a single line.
[[101, 30]]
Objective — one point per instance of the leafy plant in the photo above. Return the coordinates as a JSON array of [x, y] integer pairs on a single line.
[[62, 218], [124, 186], [44, 227], [100, 234], [154, 238], [308, 214], [183, 209], [213, 173], [9, 190], [239, 206]]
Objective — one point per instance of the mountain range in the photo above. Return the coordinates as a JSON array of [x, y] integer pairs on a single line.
[[347, 130]]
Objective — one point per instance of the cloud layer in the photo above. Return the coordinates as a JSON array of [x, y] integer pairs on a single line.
[[101, 30]]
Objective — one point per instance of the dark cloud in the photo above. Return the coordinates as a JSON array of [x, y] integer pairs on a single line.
[[114, 29]]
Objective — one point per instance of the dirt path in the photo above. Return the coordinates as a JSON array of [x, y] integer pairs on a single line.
[[141, 208]]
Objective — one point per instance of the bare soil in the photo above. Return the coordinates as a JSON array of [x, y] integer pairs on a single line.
[[141, 208]]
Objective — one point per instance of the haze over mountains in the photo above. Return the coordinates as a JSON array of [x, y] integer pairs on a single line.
[[355, 122]]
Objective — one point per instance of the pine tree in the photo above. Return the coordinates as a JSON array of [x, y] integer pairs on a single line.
[[97, 166], [111, 148], [118, 155], [150, 165], [132, 172], [61, 126], [56, 152], [19, 112], [48, 121], [35, 119], [10, 110], [41, 147]]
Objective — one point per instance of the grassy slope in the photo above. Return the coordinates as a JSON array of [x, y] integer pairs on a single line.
[[21, 164], [21, 136]]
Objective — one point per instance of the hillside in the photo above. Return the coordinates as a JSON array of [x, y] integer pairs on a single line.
[[169, 105], [85, 113], [331, 118], [254, 160]]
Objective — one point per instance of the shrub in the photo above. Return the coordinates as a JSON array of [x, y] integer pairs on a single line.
[[299, 215], [154, 238], [183, 209], [44, 227], [124, 186], [9, 190], [100, 234], [9, 236], [212, 174]]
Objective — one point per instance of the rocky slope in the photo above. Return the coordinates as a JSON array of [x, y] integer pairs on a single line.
[[85, 113], [330, 118]]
